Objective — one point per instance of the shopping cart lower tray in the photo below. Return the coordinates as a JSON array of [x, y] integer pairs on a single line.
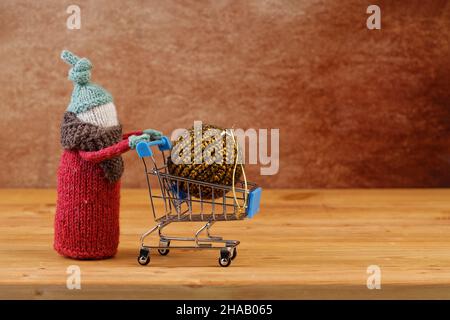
[[175, 202]]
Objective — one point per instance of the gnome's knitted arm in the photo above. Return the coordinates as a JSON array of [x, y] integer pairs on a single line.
[[109, 152], [132, 133]]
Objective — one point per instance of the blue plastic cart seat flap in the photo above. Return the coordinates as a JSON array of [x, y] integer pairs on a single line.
[[143, 148], [254, 199], [178, 193]]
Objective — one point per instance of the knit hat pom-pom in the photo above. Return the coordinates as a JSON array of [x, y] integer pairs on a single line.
[[81, 77], [80, 73]]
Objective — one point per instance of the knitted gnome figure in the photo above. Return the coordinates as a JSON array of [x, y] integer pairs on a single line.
[[87, 210]]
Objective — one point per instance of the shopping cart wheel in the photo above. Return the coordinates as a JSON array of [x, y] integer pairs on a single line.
[[164, 252], [143, 260], [224, 262], [234, 254], [224, 259], [144, 257]]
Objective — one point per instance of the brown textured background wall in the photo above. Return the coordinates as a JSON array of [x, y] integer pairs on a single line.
[[355, 108]]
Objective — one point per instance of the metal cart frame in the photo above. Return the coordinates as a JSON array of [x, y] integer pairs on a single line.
[[180, 206]]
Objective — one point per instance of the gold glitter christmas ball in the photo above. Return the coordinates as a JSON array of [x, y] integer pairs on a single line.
[[204, 153]]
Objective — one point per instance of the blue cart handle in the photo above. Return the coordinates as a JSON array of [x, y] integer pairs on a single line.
[[143, 148]]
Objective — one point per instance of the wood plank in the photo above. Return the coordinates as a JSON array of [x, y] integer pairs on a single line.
[[303, 244]]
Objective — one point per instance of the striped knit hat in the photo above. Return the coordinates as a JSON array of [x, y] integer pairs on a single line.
[[86, 95]]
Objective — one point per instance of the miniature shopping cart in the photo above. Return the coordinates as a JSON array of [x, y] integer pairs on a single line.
[[176, 204]]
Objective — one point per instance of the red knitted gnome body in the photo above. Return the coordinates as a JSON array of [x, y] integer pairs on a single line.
[[87, 212]]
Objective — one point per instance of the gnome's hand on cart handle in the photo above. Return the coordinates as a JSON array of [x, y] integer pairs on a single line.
[[154, 134], [134, 140]]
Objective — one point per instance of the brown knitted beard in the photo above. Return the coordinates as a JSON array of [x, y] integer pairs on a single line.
[[79, 135]]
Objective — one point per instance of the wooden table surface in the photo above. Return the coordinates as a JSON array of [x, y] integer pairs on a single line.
[[303, 244]]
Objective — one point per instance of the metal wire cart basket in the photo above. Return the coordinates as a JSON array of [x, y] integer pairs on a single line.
[[176, 204]]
